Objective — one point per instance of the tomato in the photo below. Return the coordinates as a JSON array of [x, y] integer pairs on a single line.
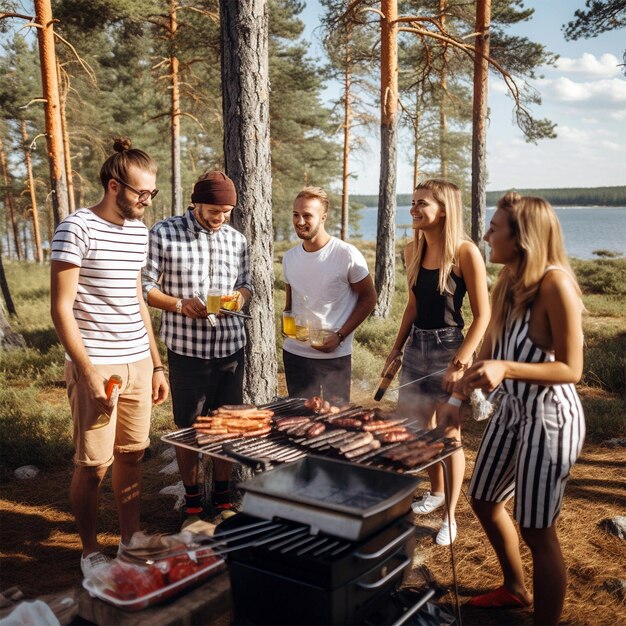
[[129, 582], [181, 567]]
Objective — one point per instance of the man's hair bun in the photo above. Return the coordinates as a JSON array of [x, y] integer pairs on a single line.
[[120, 144]]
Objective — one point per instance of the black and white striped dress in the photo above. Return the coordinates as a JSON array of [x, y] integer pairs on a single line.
[[532, 440]]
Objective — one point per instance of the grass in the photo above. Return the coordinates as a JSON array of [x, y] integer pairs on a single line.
[[35, 425]]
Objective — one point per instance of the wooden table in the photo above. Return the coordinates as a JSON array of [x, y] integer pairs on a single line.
[[208, 604]]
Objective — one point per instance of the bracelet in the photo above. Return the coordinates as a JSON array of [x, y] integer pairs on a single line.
[[454, 401], [158, 368]]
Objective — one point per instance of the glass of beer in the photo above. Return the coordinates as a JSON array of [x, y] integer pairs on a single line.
[[213, 301], [289, 324], [302, 328]]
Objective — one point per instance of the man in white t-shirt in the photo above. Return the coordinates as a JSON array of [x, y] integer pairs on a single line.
[[104, 325], [329, 289]]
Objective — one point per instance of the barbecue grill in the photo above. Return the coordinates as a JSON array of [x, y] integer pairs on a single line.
[[293, 561]]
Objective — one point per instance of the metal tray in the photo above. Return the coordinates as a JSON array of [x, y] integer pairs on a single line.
[[337, 497]]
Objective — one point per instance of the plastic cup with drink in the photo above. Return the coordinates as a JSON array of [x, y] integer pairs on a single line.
[[302, 327], [317, 332]]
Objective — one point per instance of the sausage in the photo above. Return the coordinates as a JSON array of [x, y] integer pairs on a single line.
[[284, 422], [404, 451], [422, 456], [326, 437], [299, 430], [394, 436], [368, 447], [347, 422], [316, 429], [315, 403], [356, 442], [382, 424]]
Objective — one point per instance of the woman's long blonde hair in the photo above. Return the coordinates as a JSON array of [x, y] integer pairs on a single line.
[[536, 232], [448, 196]]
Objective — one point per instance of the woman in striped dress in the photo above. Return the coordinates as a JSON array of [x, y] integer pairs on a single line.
[[530, 360]]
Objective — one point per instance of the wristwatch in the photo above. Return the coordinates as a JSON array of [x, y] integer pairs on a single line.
[[179, 305], [341, 337]]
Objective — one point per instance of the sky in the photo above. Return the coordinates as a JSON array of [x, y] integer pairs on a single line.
[[585, 95]]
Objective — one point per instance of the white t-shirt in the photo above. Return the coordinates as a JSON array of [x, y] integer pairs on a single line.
[[106, 307], [321, 288]]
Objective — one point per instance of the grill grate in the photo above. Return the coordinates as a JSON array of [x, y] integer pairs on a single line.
[[277, 447]]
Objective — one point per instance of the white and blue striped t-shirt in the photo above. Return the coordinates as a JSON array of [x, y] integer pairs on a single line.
[[106, 307]]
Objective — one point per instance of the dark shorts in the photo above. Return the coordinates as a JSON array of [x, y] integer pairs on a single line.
[[427, 352], [306, 376], [201, 385]]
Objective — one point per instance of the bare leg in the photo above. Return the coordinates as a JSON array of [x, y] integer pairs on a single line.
[[456, 472], [549, 573], [503, 536], [187, 465], [422, 414], [126, 480], [84, 494]]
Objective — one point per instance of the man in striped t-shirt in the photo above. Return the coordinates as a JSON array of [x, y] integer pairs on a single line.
[[103, 323]]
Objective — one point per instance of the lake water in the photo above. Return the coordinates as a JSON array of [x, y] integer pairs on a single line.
[[585, 229]]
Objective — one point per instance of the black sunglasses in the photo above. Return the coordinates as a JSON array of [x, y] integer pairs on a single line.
[[143, 195]]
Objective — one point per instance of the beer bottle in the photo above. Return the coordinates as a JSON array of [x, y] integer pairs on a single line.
[[112, 390]]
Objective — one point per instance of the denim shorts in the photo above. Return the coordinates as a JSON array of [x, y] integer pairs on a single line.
[[426, 352]]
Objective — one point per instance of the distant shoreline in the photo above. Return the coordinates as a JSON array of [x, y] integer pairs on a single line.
[[588, 197]]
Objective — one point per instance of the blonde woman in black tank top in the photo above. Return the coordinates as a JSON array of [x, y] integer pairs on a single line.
[[443, 265], [531, 357]]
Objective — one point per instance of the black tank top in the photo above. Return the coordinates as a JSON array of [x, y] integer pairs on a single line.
[[436, 310]]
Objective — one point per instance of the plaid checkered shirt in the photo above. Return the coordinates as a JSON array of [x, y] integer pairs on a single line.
[[187, 259]]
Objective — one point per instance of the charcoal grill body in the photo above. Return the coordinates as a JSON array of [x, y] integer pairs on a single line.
[[317, 579]]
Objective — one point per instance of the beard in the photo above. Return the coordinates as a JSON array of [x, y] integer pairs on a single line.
[[129, 210], [307, 235]]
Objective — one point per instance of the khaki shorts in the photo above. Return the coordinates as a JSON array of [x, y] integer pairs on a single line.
[[129, 426]]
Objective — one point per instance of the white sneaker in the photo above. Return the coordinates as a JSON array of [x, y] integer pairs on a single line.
[[91, 563], [428, 503], [446, 534]]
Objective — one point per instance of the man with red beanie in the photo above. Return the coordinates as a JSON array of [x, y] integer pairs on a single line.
[[188, 255]]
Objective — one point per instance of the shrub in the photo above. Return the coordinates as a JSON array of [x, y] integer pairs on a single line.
[[604, 276]]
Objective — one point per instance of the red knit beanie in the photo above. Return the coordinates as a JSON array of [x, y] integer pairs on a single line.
[[215, 188]]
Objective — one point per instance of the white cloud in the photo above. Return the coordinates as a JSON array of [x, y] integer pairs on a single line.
[[605, 66], [601, 93]]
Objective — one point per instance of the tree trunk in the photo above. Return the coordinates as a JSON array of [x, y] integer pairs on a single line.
[[346, 140], [386, 226], [6, 293], [177, 192], [479, 128], [9, 200], [443, 119], [245, 89], [67, 154], [416, 138], [47, 57], [33, 196]]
